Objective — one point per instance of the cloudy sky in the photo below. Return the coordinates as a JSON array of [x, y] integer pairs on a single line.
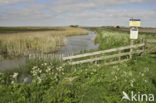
[[76, 12]]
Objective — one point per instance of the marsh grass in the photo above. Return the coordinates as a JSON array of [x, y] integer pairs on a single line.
[[24, 43]]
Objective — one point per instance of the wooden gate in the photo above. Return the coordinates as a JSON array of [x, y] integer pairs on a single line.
[[100, 55]]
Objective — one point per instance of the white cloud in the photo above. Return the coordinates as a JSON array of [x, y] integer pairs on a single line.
[[78, 5], [81, 12], [110, 17], [10, 2]]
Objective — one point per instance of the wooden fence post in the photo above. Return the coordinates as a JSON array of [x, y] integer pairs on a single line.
[[131, 49], [0, 57], [119, 53], [144, 47]]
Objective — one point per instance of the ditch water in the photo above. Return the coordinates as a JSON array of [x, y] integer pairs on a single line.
[[75, 44]]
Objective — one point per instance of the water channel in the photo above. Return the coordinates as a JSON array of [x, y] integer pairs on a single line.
[[75, 44]]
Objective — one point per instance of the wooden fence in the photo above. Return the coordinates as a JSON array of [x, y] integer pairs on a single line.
[[119, 54]]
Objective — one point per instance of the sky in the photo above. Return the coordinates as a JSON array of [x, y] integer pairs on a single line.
[[76, 12]]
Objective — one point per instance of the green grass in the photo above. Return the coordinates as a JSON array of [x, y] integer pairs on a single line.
[[58, 82], [91, 84], [109, 37]]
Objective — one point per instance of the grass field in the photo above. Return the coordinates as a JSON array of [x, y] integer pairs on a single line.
[[15, 41], [58, 82], [110, 37]]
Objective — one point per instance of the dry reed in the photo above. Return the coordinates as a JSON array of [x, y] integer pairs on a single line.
[[24, 43]]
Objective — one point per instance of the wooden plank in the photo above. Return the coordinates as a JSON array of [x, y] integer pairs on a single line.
[[116, 62], [151, 40], [103, 51], [104, 57], [153, 55]]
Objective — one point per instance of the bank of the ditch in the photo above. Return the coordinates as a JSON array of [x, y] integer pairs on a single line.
[[59, 82]]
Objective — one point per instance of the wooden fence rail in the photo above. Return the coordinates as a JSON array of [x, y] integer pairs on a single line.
[[105, 57], [151, 41]]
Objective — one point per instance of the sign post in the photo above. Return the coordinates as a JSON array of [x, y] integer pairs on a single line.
[[134, 24], [134, 33]]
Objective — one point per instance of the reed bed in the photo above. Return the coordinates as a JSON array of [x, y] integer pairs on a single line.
[[24, 43]]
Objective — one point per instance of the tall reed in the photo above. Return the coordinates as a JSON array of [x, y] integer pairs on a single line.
[[24, 43]]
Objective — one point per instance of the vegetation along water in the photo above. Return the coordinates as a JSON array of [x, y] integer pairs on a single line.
[[54, 81]]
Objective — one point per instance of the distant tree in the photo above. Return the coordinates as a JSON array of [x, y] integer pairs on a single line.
[[74, 25]]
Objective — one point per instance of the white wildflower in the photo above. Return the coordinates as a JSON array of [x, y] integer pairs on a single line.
[[118, 69], [12, 82], [15, 75], [39, 80], [145, 81], [98, 65], [57, 68], [75, 70], [116, 77], [45, 64], [146, 69], [43, 76], [125, 73], [94, 70], [131, 83], [52, 73], [34, 67], [1, 74], [25, 80], [60, 67], [40, 71], [91, 73], [115, 67], [55, 76], [112, 72], [130, 73]]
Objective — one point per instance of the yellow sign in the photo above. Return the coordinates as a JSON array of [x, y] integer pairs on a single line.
[[135, 22]]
